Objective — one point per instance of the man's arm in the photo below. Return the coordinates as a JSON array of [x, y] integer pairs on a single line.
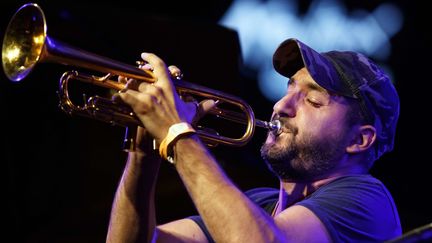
[[228, 214], [133, 214]]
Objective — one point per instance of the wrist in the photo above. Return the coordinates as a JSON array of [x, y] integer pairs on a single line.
[[175, 132]]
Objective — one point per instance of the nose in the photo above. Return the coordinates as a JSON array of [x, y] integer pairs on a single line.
[[285, 107]]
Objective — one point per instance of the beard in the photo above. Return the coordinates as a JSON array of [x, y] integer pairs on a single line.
[[304, 159]]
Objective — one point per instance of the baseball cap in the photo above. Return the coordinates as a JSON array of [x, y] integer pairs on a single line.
[[350, 74]]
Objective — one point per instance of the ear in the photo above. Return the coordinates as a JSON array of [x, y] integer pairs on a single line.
[[364, 138]]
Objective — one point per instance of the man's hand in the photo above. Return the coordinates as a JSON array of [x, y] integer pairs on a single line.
[[157, 104]]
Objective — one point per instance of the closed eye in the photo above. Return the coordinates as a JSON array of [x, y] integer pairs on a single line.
[[314, 103]]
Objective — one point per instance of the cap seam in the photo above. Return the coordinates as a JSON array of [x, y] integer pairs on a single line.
[[355, 90]]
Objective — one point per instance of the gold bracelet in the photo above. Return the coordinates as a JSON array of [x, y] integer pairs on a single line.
[[175, 132]]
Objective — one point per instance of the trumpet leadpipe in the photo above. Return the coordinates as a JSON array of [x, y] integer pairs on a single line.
[[274, 125]]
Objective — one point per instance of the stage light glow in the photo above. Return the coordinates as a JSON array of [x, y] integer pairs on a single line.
[[326, 25]]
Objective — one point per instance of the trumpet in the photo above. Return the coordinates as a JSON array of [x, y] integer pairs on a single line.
[[26, 44]]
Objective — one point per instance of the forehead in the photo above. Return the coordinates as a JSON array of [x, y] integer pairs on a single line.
[[302, 77]]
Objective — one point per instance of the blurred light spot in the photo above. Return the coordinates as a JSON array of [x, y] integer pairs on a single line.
[[327, 25]]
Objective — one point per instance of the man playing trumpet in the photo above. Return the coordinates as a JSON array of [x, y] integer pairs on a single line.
[[337, 118]]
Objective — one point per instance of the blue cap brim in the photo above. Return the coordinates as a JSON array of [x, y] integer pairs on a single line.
[[292, 55]]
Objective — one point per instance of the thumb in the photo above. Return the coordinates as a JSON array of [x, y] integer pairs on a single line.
[[206, 105], [203, 108]]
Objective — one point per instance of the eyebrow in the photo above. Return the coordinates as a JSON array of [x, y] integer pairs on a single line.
[[316, 87], [310, 85]]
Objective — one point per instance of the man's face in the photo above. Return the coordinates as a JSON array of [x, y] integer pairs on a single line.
[[314, 132]]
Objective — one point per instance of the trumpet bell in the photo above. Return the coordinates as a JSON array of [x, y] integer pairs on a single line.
[[23, 42]]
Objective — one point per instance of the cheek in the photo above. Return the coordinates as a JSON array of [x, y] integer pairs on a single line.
[[321, 131], [316, 126], [327, 121], [308, 126]]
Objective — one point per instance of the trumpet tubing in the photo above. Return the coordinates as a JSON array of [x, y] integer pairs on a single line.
[[26, 43]]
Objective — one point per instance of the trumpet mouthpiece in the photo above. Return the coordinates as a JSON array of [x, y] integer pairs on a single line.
[[274, 126]]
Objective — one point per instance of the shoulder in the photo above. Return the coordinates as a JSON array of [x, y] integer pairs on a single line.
[[359, 206], [354, 193], [356, 188]]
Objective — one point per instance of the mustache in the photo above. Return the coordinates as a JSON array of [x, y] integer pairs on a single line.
[[286, 126]]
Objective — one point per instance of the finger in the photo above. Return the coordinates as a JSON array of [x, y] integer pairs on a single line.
[[137, 85], [175, 72], [203, 108], [159, 67], [144, 86], [141, 103], [132, 84], [116, 98], [206, 105], [147, 66], [174, 69], [144, 65], [151, 90], [122, 79]]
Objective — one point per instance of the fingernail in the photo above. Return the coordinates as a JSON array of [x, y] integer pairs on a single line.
[[140, 63], [144, 55], [147, 67]]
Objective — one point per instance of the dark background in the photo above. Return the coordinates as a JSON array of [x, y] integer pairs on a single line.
[[60, 172]]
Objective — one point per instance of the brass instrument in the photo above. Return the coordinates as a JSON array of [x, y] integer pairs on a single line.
[[26, 43]]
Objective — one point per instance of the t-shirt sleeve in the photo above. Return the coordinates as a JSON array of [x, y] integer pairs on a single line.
[[263, 197], [198, 220]]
